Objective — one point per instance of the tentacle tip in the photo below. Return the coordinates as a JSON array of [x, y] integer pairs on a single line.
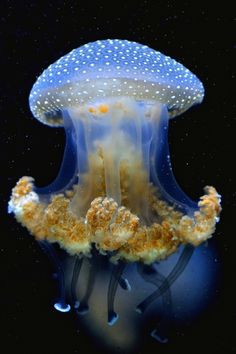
[[62, 307], [112, 318], [154, 334], [76, 304], [127, 285], [139, 310], [82, 310]]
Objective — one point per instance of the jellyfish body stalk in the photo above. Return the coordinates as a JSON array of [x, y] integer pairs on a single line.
[[118, 156], [61, 305], [169, 280], [112, 144]]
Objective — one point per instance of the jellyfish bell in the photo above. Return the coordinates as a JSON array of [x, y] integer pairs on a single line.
[[115, 191]]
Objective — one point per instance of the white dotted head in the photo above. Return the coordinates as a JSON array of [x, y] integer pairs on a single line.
[[110, 68]]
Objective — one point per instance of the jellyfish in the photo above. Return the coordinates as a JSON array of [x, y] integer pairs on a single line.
[[115, 207]]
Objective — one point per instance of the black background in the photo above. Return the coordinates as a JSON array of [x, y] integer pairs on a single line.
[[34, 35]]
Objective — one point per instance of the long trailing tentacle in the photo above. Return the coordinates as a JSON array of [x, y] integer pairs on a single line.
[[84, 307], [61, 305], [75, 275], [173, 275], [151, 275], [114, 280]]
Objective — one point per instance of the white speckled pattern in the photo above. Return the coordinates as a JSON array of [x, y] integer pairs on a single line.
[[111, 68]]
